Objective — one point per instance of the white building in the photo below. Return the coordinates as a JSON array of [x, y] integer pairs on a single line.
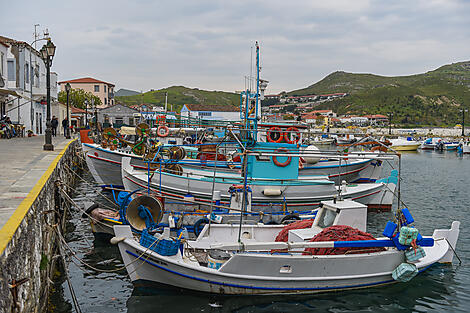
[[24, 93], [215, 112]]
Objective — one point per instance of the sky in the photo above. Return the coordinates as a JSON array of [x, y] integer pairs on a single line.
[[143, 44]]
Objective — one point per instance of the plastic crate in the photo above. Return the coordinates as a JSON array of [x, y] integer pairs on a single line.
[[405, 272], [166, 247], [413, 255], [407, 235]]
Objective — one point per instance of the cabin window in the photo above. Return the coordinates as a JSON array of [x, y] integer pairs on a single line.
[[326, 218]]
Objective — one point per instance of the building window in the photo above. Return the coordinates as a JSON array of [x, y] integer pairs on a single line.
[[26, 72], [204, 113], [105, 101], [11, 70], [32, 74], [119, 122], [97, 88], [104, 88], [1, 63], [36, 73]]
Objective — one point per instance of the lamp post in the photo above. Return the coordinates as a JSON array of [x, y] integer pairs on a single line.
[[47, 54], [390, 116], [86, 113], [463, 121], [67, 129]]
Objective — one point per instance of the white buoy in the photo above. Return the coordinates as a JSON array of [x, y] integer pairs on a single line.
[[311, 159]]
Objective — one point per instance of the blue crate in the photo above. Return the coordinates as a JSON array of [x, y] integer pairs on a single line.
[[407, 235], [413, 255], [166, 247], [405, 272]]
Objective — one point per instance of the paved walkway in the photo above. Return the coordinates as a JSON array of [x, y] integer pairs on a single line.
[[22, 162]]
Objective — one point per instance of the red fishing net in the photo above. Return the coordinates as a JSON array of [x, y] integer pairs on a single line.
[[284, 233]]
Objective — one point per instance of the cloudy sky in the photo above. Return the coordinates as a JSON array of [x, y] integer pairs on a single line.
[[144, 44]]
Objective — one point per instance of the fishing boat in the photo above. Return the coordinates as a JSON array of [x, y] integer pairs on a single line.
[[432, 143], [450, 146], [402, 144], [466, 147], [273, 180], [247, 259]]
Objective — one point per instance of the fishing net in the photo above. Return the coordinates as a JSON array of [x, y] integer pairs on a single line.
[[284, 233]]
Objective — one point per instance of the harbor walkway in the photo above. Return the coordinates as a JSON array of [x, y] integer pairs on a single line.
[[22, 164]]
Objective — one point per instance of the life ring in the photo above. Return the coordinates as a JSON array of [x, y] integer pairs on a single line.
[[197, 229], [272, 134], [282, 164], [288, 132], [163, 131]]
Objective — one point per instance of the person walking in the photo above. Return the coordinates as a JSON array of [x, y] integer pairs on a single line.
[[65, 124], [54, 124]]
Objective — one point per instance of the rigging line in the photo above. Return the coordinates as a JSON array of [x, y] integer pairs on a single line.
[[89, 184], [69, 283], [73, 254]]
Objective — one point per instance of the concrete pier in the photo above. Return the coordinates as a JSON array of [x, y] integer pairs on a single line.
[[28, 177]]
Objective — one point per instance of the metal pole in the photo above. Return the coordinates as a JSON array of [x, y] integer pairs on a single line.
[[67, 129], [86, 112], [463, 122], [48, 145]]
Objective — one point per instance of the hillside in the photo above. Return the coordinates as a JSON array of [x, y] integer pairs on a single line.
[[432, 98], [180, 95], [125, 92]]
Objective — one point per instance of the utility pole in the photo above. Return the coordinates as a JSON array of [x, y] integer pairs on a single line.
[[463, 121], [390, 116], [166, 101]]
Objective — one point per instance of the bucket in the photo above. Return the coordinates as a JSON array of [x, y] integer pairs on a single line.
[[217, 258]]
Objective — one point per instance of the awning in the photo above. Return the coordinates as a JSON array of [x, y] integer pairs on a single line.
[[7, 92]]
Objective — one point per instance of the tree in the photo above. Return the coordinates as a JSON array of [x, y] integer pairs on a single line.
[[77, 98]]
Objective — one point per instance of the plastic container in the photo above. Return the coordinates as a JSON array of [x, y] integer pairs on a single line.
[[216, 258], [405, 272], [413, 255], [407, 215], [407, 235], [389, 229]]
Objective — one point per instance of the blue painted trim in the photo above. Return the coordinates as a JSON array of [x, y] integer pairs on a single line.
[[334, 166], [252, 287]]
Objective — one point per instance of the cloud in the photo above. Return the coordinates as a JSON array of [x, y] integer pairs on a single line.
[[206, 44]]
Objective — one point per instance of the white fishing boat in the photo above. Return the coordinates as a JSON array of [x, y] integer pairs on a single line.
[[432, 143], [105, 165], [246, 259], [272, 187], [404, 144], [466, 147]]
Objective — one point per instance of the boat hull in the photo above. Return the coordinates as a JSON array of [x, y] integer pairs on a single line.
[[265, 273]]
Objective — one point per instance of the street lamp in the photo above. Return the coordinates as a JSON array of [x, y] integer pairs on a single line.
[[67, 128], [463, 120], [47, 54]]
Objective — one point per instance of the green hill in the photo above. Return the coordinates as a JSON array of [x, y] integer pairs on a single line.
[[180, 95], [432, 98]]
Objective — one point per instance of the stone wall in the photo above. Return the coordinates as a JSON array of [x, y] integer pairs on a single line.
[[30, 253]]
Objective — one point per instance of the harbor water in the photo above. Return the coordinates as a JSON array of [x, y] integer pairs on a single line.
[[435, 187]]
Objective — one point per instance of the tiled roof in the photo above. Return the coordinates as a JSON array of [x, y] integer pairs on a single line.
[[212, 107], [85, 80], [76, 110]]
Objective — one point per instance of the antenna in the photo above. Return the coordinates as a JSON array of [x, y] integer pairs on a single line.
[[46, 34]]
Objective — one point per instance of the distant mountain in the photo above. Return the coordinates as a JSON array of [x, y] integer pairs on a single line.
[[125, 92], [432, 98], [180, 95]]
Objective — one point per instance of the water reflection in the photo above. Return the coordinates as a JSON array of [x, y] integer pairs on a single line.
[[429, 291]]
